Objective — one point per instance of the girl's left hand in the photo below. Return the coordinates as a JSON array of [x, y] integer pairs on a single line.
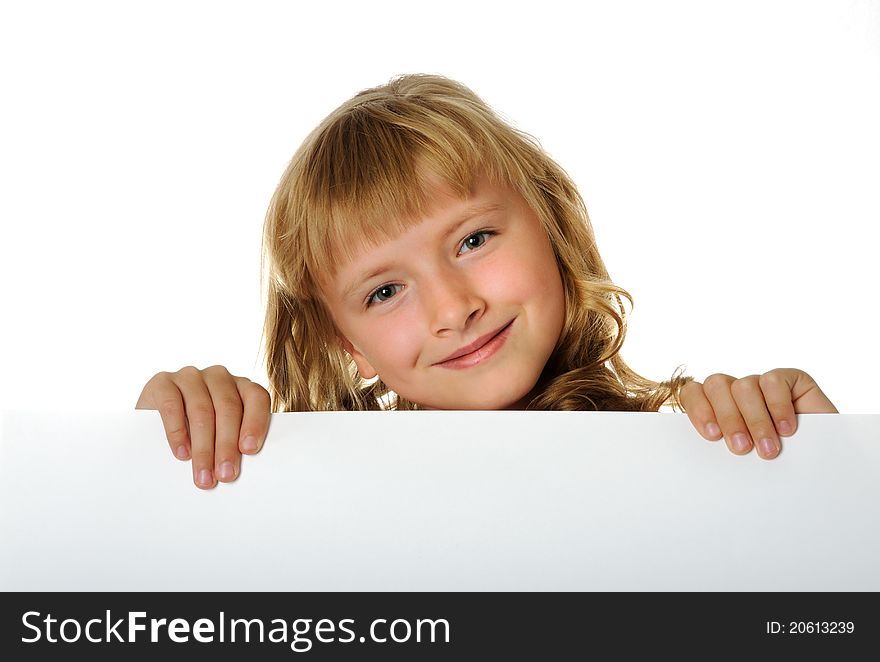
[[754, 410]]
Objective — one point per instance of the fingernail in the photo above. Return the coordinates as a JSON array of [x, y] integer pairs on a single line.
[[740, 442], [226, 471], [784, 427], [249, 443], [768, 447], [182, 452], [205, 477], [713, 430]]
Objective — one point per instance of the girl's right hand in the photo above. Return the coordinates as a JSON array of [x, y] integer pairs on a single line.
[[211, 416]]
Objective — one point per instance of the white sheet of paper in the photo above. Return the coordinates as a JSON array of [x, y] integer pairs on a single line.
[[441, 501]]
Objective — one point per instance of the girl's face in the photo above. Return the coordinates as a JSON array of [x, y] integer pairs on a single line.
[[461, 311]]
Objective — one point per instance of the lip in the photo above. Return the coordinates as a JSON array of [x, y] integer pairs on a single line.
[[479, 350]]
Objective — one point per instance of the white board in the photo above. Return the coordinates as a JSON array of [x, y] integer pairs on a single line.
[[441, 501]]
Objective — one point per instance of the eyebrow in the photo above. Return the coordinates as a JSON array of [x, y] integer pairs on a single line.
[[466, 215]]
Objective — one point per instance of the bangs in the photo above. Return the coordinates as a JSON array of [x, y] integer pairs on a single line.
[[375, 172], [373, 169]]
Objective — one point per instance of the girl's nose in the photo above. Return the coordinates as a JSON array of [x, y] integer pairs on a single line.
[[453, 304]]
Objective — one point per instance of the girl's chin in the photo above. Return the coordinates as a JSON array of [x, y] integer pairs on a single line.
[[508, 395]]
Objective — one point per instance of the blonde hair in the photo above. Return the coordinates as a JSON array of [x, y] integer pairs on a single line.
[[360, 178]]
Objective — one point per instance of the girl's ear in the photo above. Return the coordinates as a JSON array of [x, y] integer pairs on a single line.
[[364, 368]]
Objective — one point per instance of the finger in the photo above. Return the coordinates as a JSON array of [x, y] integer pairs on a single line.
[[777, 386], [227, 417], [736, 435], [806, 396], [749, 398], [200, 419], [162, 394], [699, 410], [255, 423]]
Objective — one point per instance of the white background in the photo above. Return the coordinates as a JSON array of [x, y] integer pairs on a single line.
[[727, 153]]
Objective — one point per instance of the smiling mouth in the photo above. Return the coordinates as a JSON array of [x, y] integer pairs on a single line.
[[481, 353]]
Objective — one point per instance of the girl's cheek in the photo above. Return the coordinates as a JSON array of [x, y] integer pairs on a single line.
[[395, 334], [499, 276], [514, 282]]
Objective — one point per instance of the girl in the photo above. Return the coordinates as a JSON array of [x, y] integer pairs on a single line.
[[423, 254]]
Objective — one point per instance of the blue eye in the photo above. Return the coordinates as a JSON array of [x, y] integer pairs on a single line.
[[385, 292], [382, 293], [474, 241]]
